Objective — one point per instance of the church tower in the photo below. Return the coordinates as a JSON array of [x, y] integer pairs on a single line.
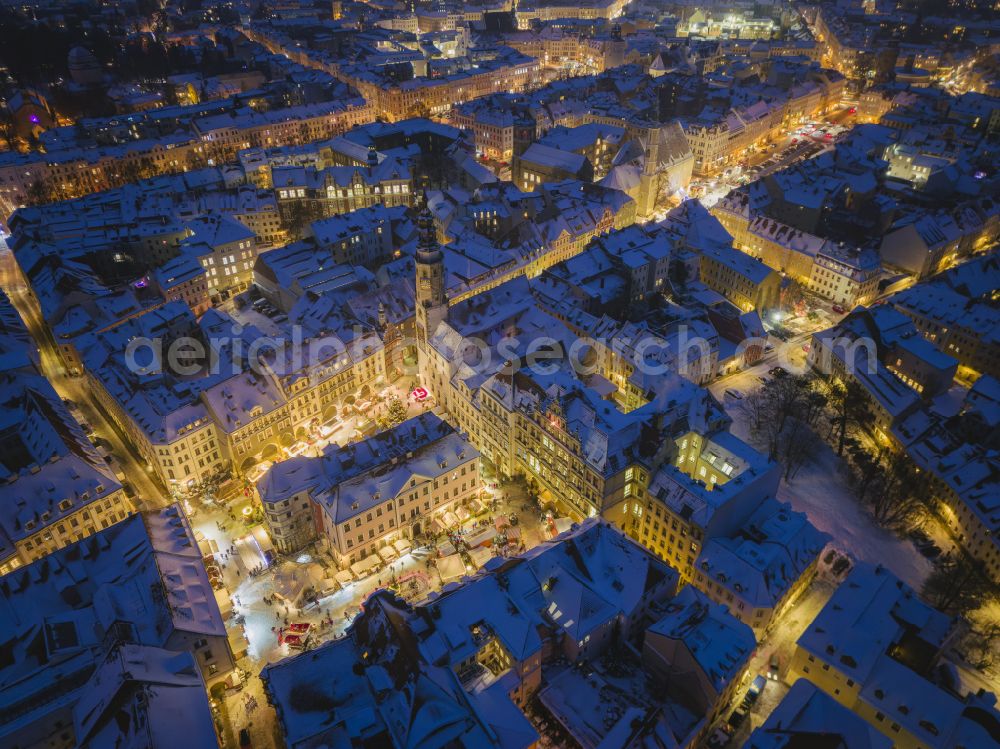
[[432, 309]]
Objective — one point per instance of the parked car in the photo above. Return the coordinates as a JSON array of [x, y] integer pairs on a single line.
[[774, 667], [778, 372], [245, 742], [839, 309], [736, 719], [719, 738], [931, 551]]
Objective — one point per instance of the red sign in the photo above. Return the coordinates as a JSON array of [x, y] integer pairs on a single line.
[[419, 394]]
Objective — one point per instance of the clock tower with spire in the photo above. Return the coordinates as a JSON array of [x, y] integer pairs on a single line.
[[432, 308]]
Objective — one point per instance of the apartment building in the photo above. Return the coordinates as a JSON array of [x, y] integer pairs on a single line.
[[599, 143], [136, 589], [546, 10], [367, 236], [847, 276], [261, 413], [922, 246], [758, 571], [956, 458], [483, 72], [69, 172], [501, 127], [306, 194], [874, 648], [226, 250], [698, 641], [960, 325], [161, 413], [849, 353], [743, 280], [62, 491], [804, 713], [719, 143], [184, 279], [541, 163], [582, 453], [710, 485], [207, 414], [365, 496]]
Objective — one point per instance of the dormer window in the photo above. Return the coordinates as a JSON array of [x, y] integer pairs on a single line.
[[65, 504]]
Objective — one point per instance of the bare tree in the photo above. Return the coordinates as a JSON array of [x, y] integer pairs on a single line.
[[40, 191], [783, 416], [867, 469], [981, 643], [901, 492], [848, 407], [797, 445], [959, 584]]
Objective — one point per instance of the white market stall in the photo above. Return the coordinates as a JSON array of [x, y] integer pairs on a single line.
[[484, 536], [224, 602], [344, 577], [403, 546], [366, 566], [451, 568], [290, 584], [446, 548], [480, 556], [263, 540]]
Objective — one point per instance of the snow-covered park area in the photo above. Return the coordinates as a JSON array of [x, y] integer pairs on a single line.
[[820, 490]]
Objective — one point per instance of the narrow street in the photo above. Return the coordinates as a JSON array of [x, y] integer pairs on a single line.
[[778, 641], [149, 493]]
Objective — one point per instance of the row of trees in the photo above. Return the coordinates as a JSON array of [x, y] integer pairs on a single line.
[[790, 418]]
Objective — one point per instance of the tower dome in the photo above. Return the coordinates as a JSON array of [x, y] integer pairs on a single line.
[[84, 68]]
